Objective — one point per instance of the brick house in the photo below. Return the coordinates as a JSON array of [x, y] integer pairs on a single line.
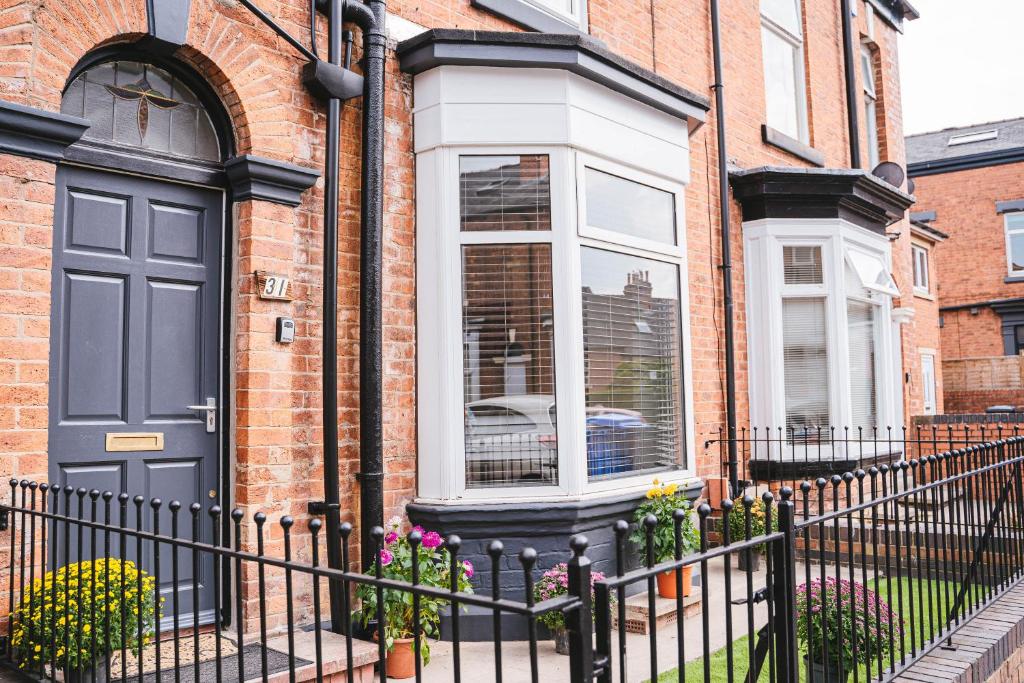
[[551, 298], [969, 183]]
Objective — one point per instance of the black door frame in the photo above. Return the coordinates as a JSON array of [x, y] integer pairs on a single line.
[[112, 159]]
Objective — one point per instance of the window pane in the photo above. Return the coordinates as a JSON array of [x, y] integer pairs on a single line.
[[630, 208], [1017, 251], [632, 363], [504, 192], [785, 13], [805, 364], [867, 71], [863, 395], [802, 265], [871, 126], [920, 268], [508, 365], [780, 79]]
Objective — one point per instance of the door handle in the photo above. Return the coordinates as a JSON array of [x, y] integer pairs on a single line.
[[211, 414]]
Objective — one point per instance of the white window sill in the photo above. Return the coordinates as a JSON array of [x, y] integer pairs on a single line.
[[531, 17], [924, 294]]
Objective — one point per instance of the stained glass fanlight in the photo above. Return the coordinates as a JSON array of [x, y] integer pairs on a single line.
[[143, 106]]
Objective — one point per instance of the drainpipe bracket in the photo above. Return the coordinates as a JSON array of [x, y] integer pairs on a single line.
[[319, 508], [326, 80]]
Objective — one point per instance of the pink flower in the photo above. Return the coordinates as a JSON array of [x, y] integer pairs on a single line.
[[431, 539], [418, 528], [467, 566], [386, 557], [391, 537]]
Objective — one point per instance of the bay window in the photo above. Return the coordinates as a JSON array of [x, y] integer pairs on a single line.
[[821, 330], [552, 325]]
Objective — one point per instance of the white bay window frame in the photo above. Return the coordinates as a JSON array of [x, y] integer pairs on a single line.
[[764, 241], [609, 133]]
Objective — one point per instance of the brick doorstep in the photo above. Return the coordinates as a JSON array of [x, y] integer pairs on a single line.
[[990, 648]]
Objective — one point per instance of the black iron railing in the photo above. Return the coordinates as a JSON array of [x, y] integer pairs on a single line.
[[863, 574]]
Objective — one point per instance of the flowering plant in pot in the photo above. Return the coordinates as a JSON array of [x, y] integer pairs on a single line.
[[396, 560], [553, 583], [662, 502], [73, 618], [758, 527], [842, 625]]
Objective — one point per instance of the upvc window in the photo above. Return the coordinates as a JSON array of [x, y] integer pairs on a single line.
[[921, 276], [867, 65], [1015, 243], [572, 322], [821, 334], [783, 52]]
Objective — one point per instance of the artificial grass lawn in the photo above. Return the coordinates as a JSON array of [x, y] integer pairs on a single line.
[[694, 670]]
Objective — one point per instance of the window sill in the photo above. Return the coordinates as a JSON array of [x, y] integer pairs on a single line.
[[1013, 278], [924, 294], [531, 17], [791, 145]]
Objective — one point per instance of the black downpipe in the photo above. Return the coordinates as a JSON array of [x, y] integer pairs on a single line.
[[332, 156], [850, 70], [727, 297], [371, 449]]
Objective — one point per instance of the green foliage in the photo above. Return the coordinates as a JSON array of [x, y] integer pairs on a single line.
[[396, 560], [662, 502], [84, 611], [758, 519], [555, 582]]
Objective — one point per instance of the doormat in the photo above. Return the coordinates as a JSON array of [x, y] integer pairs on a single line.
[[253, 667]]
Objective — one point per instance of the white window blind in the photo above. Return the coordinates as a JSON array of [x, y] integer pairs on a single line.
[[805, 359], [633, 361], [860, 317], [509, 370], [502, 193], [802, 265]]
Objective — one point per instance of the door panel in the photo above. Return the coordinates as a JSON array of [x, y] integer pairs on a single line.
[[136, 317]]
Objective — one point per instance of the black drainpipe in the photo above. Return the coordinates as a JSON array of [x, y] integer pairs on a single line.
[[727, 298], [371, 433], [330, 81], [850, 69]]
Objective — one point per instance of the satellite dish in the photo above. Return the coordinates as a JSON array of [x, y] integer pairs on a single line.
[[890, 172], [910, 186]]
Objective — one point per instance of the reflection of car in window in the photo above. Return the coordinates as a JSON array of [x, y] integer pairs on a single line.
[[514, 439]]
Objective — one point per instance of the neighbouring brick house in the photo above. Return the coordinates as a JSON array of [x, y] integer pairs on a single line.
[[969, 184], [552, 282]]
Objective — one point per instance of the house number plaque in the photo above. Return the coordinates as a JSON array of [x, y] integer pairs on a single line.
[[272, 286]]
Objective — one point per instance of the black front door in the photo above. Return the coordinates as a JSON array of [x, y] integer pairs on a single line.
[[135, 330]]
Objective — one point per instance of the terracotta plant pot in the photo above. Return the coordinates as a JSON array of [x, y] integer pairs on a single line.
[[667, 583], [401, 660]]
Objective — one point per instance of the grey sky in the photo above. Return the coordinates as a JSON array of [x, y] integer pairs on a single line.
[[960, 63]]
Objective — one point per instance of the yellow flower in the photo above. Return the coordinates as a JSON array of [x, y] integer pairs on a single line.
[[670, 489]]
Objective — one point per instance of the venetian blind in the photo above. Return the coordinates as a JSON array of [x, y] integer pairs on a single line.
[[632, 360], [805, 359], [860, 318], [500, 193], [508, 352]]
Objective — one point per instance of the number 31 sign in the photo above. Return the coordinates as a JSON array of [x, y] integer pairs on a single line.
[[272, 286]]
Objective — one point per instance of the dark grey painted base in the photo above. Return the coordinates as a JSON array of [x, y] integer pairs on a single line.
[[545, 527]]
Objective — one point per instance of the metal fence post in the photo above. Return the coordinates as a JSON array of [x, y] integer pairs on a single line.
[[784, 584], [579, 621]]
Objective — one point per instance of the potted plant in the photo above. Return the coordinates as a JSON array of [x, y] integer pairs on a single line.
[[73, 618], [758, 527], [662, 502], [395, 560], [553, 583], [842, 625]]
